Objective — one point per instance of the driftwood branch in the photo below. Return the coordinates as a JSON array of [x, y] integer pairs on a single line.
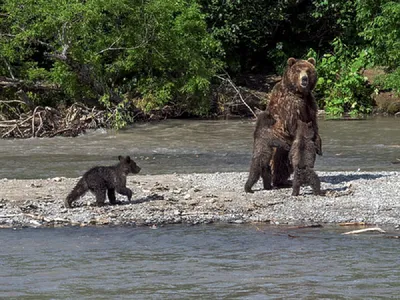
[[353, 224], [12, 101], [375, 229], [7, 82], [49, 122]]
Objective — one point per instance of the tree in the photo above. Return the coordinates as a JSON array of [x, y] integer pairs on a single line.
[[380, 28], [157, 51]]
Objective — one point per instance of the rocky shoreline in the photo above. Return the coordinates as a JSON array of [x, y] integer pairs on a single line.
[[370, 197]]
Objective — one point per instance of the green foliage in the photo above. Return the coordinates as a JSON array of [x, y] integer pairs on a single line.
[[381, 30], [257, 35], [341, 88], [381, 21], [150, 54], [158, 50], [390, 81]]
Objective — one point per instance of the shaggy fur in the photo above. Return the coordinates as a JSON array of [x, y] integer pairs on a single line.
[[292, 100], [264, 141], [102, 180], [302, 157]]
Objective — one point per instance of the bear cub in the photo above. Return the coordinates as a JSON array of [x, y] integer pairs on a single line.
[[101, 180], [265, 140], [302, 157]]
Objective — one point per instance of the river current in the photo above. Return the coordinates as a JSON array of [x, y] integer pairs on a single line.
[[197, 262], [187, 146]]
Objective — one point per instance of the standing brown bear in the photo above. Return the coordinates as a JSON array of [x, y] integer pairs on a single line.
[[292, 100]]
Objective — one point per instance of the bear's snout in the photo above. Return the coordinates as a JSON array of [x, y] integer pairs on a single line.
[[304, 81]]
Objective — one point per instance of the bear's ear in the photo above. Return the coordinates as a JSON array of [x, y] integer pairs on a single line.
[[291, 61], [120, 158], [128, 159], [311, 60]]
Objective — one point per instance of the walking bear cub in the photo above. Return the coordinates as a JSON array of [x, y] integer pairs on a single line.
[[265, 139], [302, 157], [101, 180]]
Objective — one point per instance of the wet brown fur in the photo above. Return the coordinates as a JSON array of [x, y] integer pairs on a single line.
[[292, 100], [265, 139], [101, 180], [302, 157]]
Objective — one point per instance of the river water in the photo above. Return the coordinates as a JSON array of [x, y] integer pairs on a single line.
[[186, 146], [197, 262], [220, 261]]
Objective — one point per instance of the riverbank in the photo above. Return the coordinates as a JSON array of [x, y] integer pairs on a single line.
[[370, 197]]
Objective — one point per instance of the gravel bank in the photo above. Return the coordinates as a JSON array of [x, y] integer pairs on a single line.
[[371, 197]]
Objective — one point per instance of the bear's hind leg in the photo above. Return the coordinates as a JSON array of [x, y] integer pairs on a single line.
[[100, 196], [296, 183], [281, 168], [254, 173], [314, 182], [266, 169]]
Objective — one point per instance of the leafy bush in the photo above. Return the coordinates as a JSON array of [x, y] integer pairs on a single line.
[[341, 88], [380, 29]]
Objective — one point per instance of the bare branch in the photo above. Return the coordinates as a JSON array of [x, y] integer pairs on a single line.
[[237, 91], [11, 101], [8, 35], [6, 82], [8, 67], [111, 48], [44, 44], [9, 82]]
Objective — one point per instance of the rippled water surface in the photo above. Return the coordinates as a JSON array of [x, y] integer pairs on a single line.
[[198, 262], [184, 146], [206, 262]]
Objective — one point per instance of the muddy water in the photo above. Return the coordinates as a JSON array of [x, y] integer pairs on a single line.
[[184, 146], [200, 262]]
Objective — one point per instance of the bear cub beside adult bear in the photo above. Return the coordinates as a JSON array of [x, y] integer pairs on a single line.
[[265, 139], [101, 180], [302, 157]]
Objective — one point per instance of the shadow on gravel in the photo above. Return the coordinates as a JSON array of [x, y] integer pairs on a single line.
[[346, 178], [149, 198], [152, 197]]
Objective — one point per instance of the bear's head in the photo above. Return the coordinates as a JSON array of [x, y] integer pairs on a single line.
[[305, 130], [300, 75], [128, 165]]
